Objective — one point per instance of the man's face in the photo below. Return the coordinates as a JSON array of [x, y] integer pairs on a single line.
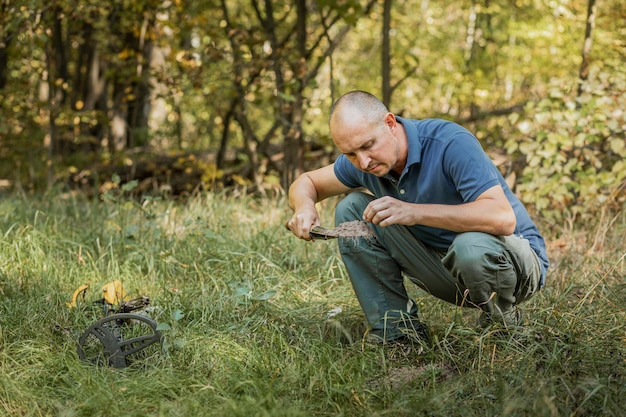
[[372, 148]]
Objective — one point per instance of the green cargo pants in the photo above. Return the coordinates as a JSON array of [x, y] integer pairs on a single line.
[[493, 273]]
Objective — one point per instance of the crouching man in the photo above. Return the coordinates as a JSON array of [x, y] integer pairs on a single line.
[[442, 213]]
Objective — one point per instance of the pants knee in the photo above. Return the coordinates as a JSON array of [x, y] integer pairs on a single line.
[[466, 256], [477, 260], [351, 207]]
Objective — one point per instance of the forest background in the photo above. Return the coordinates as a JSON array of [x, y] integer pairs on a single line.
[[180, 96], [140, 139]]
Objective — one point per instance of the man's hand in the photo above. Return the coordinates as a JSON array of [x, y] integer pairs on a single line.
[[301, 222], [386, 211], [308, 189]]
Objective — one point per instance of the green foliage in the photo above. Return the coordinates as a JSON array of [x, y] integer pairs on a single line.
[[575, 148], [237, 79]]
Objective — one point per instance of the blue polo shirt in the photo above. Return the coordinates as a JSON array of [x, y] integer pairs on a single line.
[[445, 165]]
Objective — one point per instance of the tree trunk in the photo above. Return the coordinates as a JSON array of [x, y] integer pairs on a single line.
[[221, 153], [386, 54], [586, 53], [139, 106], [118, 129], [4, 60], [57, 69], [293, 135], [60, 54], [4, 47]]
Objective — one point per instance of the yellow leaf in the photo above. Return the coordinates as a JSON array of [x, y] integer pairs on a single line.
[[618, 146]]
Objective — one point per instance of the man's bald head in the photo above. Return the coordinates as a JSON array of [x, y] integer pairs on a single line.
[[357, 107]]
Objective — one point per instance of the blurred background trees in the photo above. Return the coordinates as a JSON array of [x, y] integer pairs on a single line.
[[182, 95]]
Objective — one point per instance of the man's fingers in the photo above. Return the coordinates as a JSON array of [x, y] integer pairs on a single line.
[[373, 212], [296, 227]]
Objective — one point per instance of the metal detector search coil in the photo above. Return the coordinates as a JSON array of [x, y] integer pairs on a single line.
[[116, 339]]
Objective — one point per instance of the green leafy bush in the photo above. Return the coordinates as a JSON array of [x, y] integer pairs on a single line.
[[575, 148]]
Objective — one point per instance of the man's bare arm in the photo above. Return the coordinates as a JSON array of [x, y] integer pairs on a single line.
[[308, 189], [490, 213]]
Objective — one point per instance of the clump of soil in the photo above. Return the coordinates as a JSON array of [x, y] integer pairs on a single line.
[[356, 228]]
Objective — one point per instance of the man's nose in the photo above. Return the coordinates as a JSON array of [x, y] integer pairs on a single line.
[[364, 160]]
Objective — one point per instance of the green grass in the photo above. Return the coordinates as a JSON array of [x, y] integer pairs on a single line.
[[246, 310]]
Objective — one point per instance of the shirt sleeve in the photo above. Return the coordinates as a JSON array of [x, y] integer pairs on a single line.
[[468, 167], [347, 173]]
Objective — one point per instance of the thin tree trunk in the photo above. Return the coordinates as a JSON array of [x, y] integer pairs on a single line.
[[139, 107], [56, 66], [294, 143], [386, 54], [60, 54], [4, 60], [4, 48], [52, 110], [586, 53], [221, 153]]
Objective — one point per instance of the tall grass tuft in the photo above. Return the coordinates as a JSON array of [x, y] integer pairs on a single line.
[[258, 323]]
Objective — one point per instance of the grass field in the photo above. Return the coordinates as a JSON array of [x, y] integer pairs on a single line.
[[258, 323]]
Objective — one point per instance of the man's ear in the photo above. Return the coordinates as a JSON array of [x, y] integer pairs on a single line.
[[390, 120]]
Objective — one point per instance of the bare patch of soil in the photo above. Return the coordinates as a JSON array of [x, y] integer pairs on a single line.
[[397, 377]]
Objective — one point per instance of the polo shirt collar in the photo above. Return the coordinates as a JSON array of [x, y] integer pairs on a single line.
[[414, 146]]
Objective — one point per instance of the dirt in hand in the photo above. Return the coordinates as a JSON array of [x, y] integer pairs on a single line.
[[356, 228]]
